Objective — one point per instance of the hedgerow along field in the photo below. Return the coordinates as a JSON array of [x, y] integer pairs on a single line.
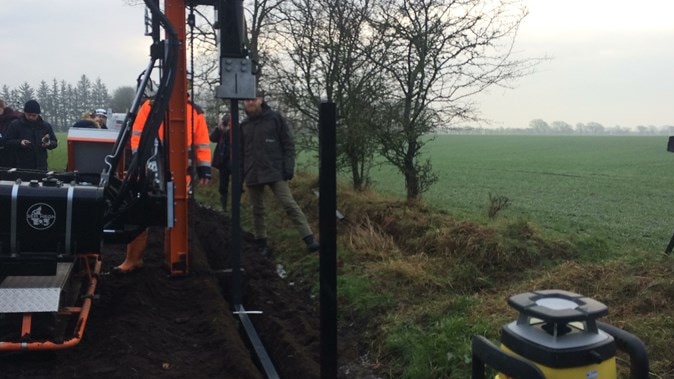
[[604, 193]]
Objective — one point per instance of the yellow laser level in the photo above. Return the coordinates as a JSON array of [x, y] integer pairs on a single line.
[[557, 336]]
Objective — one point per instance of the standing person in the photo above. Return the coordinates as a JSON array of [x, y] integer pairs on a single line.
[[87, 121], [101, 117], [30, 136], [7, 115], [197, 136], [221, 136], [269, 160]]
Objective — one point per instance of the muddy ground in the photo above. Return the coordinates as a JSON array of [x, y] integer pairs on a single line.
[[148, 325]]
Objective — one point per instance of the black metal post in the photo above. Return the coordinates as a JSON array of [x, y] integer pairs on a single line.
[[328, 231], [235, 227]]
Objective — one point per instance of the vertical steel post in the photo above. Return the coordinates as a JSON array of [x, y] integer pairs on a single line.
[[237, 182], [328, 232]]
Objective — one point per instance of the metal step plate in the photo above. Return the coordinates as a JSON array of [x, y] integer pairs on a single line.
[[27, 294]]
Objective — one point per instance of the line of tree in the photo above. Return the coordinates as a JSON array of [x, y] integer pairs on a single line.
[[540, 126], [581, 129], [63, 103]]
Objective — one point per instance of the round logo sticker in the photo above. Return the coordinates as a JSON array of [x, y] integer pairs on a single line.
[[40, 216]]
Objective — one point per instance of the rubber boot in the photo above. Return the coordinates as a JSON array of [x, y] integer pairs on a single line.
[[134, 255], [311, 242]]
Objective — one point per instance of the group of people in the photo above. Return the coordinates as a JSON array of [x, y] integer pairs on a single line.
[[97, 120], [25, 137], [268, 161], [268, 155]]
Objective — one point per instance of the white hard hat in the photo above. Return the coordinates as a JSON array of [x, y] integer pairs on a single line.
[[101, 112]]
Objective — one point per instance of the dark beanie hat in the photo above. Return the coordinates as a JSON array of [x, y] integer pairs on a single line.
[[31, 106]]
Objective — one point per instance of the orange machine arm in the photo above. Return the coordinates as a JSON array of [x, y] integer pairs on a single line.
[[176, 238]]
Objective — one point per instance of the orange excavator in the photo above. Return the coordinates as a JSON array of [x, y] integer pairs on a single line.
[[54, 225]]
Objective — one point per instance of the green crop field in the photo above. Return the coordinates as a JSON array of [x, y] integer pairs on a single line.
[[609, 190], [58, 158]]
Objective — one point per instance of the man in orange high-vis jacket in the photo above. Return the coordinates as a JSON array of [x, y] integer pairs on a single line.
[[197, 138], [197, 133]]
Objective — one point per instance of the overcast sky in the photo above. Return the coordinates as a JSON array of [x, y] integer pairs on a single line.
[[612, 61]]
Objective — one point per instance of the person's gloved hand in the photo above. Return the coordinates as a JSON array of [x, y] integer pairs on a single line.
[[288, 175], [204, 174]]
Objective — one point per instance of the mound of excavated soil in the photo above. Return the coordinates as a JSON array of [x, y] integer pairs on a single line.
[[148, 325]]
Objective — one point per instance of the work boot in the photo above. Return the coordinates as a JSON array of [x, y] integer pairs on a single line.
[[311, 242], [261, 245], [134, 255]]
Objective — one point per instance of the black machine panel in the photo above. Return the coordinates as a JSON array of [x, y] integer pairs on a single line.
[[49, 218]]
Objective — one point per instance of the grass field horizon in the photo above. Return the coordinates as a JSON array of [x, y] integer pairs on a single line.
[[612, 192]]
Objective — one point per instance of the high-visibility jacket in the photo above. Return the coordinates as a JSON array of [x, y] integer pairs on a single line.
[[197, 133]]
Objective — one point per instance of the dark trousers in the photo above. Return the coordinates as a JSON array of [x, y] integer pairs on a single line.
[[223, 187]]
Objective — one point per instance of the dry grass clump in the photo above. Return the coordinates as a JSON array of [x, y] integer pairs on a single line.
[[467, 256], [417, 274], [368, 240]]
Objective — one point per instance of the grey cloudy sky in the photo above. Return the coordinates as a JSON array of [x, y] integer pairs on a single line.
[[64, 39], [612, 61]]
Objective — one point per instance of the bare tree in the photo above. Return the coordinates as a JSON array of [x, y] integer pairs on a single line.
[[122, 98], [323, 49], [203, 50], [539, 126], [262, 17], [439, 54], [562, 127]]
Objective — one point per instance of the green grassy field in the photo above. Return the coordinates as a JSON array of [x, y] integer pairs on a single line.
[[58, 158], [613, 191]]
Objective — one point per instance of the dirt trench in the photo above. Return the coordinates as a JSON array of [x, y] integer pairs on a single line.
[[148, 325]]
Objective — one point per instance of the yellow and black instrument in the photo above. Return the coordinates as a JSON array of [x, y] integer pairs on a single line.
[[557, 336]]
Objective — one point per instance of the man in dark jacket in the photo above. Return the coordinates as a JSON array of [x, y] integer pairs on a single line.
[[30, 136], [7, 115], [269, 160]]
